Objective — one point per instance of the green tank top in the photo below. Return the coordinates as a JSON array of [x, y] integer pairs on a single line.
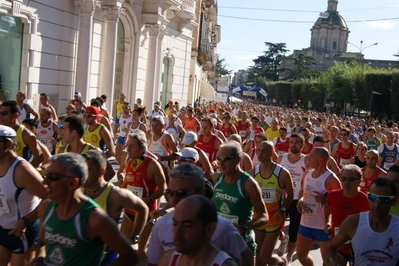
[[372, 144], [65, 240], [230, 200]]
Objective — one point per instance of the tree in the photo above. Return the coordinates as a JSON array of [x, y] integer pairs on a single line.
[[267, 65], [221, 67], [301, 68]]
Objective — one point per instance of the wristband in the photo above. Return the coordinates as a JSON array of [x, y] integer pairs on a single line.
[[27, 222]]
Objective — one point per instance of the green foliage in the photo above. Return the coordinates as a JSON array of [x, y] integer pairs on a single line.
[[222, 67]]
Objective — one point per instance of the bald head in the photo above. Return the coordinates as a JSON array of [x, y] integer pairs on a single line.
[[321, 152], [235, 137]]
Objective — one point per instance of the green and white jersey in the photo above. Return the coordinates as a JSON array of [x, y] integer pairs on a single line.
[[65, 240]]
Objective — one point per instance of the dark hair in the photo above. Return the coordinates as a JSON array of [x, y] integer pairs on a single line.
[[73, 164], [44, 94], [104, 96], [394, 168], [139, 110], [76, 123], [300, 136], [100, 100], [206, 210], [207, 119], [96, 157], [384, 182], [14, 108], [283, 129], [30, 122]]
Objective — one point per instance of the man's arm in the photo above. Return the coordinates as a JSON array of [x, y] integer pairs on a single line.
[[106, 123], [254, 194], [334, 151], [40, 251], [332, 164], [128, 200], [53, 113], [32, 111], [205, 164], [106, 136], [288, 187], [100, 225], [30, 141], [155, 172]]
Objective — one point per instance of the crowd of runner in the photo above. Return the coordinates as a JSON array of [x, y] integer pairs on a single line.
[[231, 174]]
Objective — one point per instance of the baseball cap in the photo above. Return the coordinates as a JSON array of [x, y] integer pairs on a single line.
[[188, 153], [78, 94], [92, 110], [189, 137], [7, 132]]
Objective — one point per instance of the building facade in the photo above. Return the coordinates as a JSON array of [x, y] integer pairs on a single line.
[[143, 48]]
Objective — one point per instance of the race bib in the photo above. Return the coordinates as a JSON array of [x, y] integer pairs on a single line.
[[242, 133], [138, 191], [309, 209], [296, 183], [269, 195], [386, 166], [3, 203], [336, 230], [231, 218], [343, 162]]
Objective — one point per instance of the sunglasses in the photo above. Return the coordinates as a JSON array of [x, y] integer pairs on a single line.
[[187, 159], [89, 115], [225, 158], [60, 126], [343, 134], [54, 176], [381, 199], [350, 179], [4, 112], [178, 193]]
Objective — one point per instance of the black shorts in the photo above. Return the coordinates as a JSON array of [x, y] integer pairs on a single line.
[[20, 244]]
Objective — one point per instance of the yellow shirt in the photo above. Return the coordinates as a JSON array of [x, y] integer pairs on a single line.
[[21, 148], [94, 137], [271, 135]]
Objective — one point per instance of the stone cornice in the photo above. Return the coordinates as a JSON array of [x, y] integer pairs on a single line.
[[87, 6], [112, 12]]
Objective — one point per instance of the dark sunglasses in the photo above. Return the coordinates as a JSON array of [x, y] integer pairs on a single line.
[[89, 115], [178, 193], [60, 126], [381, 199], [4, 112], [350, 179], [186, 159], [54, 176], [225, 158]]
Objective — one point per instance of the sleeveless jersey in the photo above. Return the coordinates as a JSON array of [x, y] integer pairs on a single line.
[[231, 202], [344, 155], [133, 129], [138, 182], [242, 128], [227, 131], [123, 123], [208, 147], [341, 207], [190, 124], [23, 114], [15, 202], [388, 156], [332, 144], [282, 147], [371, 144], [174, 131], [366, 182], [272, 193], [296, 170], [102, 198], [94, 137], [21, 148], [85, 148], [359, 163], [318, 129], [290, 130], [119, 109], [252, 132], [159, 147], [220, 258], [313, 212], [44, 134], [66, 242], [374, 248], [59, 145]]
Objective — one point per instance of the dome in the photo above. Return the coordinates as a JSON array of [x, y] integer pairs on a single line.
[[333, 18]]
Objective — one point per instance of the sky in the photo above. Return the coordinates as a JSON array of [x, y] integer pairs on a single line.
[[244, 31]]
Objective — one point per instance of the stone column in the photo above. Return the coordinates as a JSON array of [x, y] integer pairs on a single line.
[[112, 14], [151, 69], [82, 79]]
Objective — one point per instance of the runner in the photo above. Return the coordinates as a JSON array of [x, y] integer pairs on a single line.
[[25, 108]]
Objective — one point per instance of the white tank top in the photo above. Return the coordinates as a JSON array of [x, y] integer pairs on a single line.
[[131, 129], [158, 147], [44, 134], [23, 114], [123, 122], [318, 129], [220, 258], [14, 202], [290, 130], [372, 248], [296, 170], [313, 212], [173, 131]]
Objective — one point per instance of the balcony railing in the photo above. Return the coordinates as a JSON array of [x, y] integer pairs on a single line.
[[188, 7]]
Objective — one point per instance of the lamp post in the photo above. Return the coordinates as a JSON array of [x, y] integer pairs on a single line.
[[361, 49]]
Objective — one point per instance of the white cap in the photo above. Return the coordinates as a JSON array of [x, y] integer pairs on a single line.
[[189, 137], [78, 94], [188, 153], [7, 132]]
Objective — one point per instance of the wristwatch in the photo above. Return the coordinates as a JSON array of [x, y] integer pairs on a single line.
[[27, 222], [283, 209], [135, 239], [150, 199]]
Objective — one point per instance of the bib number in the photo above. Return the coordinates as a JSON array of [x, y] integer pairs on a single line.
[[231, 218], [269, 195], [3, 203], [242, 133], [309, 209], [138, 191], [296, 183], [343, 162]]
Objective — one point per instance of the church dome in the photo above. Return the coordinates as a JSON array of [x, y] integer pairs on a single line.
[[333, 19]]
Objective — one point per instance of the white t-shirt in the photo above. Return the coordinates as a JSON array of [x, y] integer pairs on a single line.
[[226, 238]]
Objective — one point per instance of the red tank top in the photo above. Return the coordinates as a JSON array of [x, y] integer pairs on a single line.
[[208, 147], [241, 128], [283, 146], [365, 183], [309, 150], [344, 155], [227, 131], [138, 182]]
